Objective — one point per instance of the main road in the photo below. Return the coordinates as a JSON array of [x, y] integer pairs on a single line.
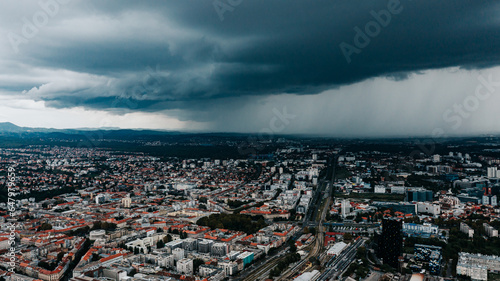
[[338, 264], [312, 220], [325, 187]]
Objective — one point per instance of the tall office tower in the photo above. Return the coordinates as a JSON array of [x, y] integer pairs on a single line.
[[390, 243], [346, 208]]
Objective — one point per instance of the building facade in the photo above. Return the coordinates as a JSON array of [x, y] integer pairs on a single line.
[[390, 242]]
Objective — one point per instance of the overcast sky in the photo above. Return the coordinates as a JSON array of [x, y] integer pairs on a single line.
[[340, 68]]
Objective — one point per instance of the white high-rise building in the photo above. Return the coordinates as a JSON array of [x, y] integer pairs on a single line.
[[436, 158], [486, 200], [127, 201], [219, 249], [379, 189], [490, 231], [466, 229], [492, 172], [490, 200], [178, 253], [185, 266], [476, 265], [165, 261], [346, 207], [99, 199], [428, 208]]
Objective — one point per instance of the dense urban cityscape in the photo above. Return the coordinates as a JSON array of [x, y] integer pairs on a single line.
[[304, 209], [249, 140]]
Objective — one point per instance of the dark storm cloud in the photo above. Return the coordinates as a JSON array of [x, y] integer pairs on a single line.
[[156, 55]]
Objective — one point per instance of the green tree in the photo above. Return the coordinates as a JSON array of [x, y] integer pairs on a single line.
[[132, 272], [347, 236], [293, 248], [45, 226], [312, 230], [167, 238], [196, 264], [60, 256], [237, 222], [95, 257], [160, 244]]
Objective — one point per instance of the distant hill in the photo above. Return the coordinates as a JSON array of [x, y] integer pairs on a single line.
[[7, 128], [12, 128]]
